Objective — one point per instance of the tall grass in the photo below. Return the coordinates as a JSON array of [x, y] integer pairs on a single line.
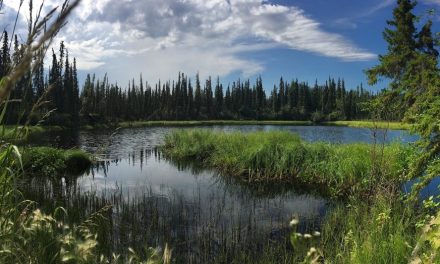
[[256, 157], [197, 232], [382, 230]]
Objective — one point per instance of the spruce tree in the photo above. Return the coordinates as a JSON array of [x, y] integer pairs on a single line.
[[198, 97]]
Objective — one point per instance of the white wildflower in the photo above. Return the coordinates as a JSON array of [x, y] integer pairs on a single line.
[[294, 222], [307, 236]]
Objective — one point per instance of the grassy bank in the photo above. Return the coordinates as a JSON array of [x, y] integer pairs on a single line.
[[213, 123], [46, 161], [11, 132], [283, 157], [371, 124], [361, 124], [21, 132]]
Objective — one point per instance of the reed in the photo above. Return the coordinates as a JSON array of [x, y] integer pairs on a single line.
[[262, 157], [382, 230], [197, 233]]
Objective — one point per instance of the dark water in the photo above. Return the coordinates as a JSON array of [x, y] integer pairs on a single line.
[[201, 214]]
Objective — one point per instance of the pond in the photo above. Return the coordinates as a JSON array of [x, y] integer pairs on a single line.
[[203, 216]]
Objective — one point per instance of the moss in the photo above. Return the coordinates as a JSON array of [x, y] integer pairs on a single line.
[[47, 161]]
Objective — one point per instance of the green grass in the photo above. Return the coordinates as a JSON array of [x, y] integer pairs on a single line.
[[371, 124], [382, 230], [261, 157], [20, 133], [47, 161]]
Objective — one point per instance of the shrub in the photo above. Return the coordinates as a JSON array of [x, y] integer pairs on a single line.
[[46, 161]]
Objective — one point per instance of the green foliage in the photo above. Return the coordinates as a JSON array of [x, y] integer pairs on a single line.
[[412, 65], [47, 161], [34, 237], [381, 230], [302, 243], [428, 245], [282, 156]]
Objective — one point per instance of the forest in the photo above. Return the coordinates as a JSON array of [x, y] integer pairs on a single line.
[[98, 101]]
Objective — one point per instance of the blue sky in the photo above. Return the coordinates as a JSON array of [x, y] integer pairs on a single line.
[[303, 39], [361, 22]]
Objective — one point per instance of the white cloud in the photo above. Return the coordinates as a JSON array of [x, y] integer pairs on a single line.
[[162, 37]]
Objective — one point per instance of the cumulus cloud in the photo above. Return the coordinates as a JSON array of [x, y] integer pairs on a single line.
[[162, 37]]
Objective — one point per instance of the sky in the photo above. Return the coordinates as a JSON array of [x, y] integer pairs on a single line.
[[296, 39]]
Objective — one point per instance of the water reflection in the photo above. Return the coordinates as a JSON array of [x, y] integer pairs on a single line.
[[200, 213]]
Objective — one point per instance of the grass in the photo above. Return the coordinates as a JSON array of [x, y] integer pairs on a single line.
[[47, 161], [382, 230], [371, 124], [21, 132], [262, 157]]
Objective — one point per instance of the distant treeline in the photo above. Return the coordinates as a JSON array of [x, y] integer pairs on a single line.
[[57, 92], [187, 100]]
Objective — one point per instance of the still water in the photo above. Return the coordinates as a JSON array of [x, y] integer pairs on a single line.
[[200, 213]]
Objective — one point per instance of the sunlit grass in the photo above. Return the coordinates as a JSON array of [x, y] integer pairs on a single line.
[[340, 169], [381, 230], [372, 124]]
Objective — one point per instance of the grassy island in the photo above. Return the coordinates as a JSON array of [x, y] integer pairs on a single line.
[[265, 157]]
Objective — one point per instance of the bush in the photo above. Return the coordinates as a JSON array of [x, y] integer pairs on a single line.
[[46, 161]]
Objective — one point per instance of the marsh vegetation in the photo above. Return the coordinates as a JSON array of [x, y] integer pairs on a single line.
[[266, 157]]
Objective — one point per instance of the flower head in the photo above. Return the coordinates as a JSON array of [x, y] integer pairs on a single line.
[[294, 222]]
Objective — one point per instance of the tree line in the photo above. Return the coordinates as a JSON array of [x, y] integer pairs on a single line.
[[185, 99], [56, 93]]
